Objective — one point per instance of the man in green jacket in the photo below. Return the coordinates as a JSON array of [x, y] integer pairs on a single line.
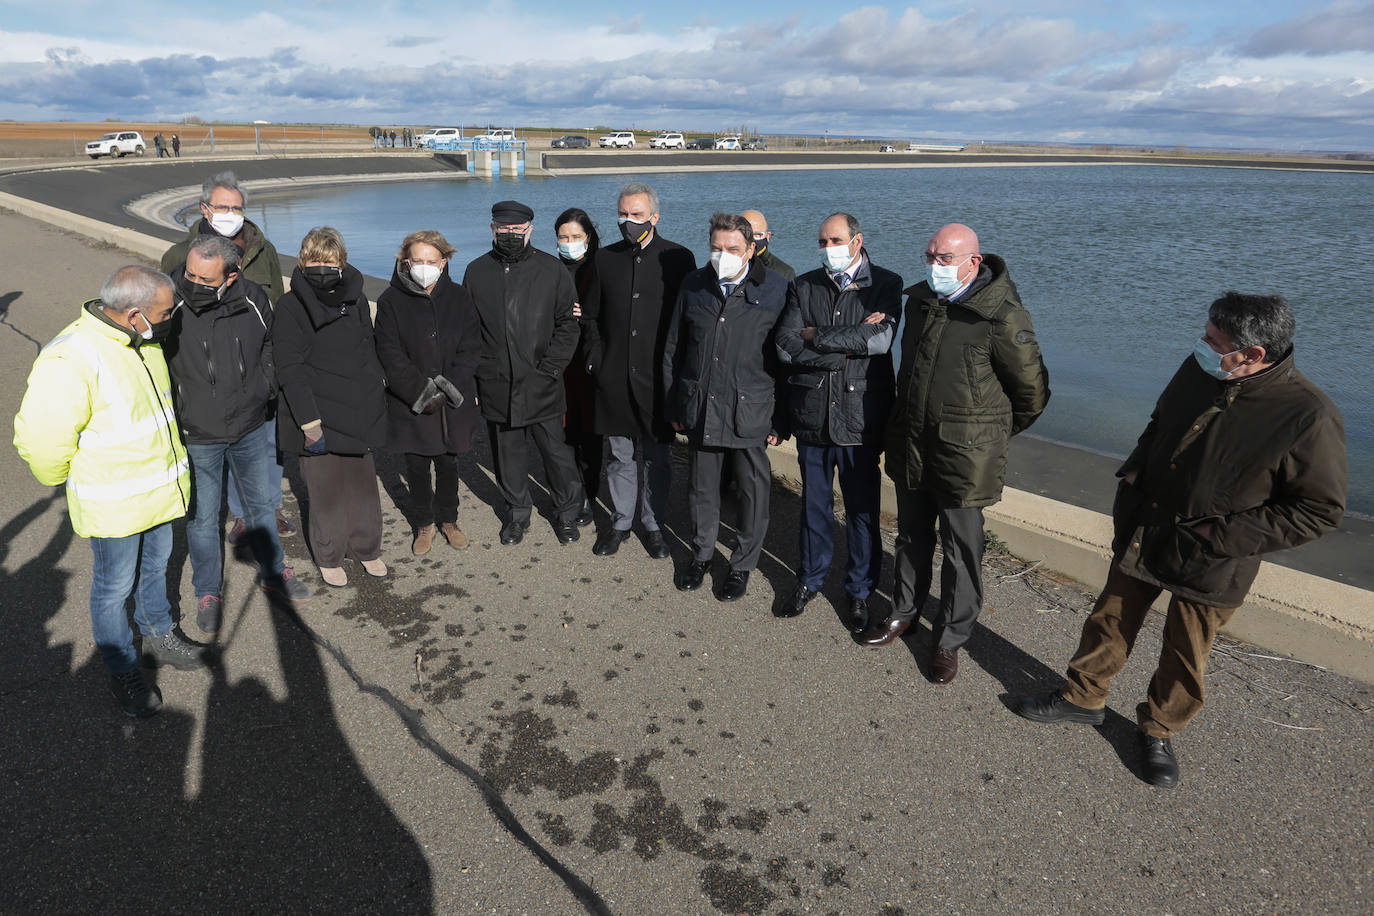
[[1242, 456], [971, 378], [97, 416]]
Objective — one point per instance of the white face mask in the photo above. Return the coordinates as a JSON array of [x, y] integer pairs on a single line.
[[944, 278], [726, 265], [425, 274], [226, 224], [572, 251], [836, 258]]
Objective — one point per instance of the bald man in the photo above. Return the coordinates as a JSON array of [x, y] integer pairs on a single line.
[[762, 240], [971, 378]]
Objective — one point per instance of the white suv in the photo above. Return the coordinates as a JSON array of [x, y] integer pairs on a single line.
[[668, 140], [730, 142], [117, 144], [621, 139], [436, 135], [496, 134]]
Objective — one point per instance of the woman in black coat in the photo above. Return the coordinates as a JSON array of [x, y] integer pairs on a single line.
[[577, 245], [429, 341], [333, 406]]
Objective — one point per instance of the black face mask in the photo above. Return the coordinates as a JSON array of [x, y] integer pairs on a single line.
[[323, 278], [760, 244], [508, 245], [197, 296], [635, 233], [158, 332]]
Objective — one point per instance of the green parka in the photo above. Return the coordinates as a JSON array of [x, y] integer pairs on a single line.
[[258, 263], [971, 377]]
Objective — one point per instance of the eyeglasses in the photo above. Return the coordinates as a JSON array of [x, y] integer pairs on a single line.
[[224, 208], [946, 258]]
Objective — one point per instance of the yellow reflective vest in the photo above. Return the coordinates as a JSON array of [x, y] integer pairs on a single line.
[[97, 416]]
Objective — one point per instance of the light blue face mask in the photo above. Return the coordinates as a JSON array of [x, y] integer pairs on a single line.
[[1210, 360]]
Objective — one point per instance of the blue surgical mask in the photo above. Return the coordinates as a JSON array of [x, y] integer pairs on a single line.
[[572, 251], [1210, 360], [836, 258]]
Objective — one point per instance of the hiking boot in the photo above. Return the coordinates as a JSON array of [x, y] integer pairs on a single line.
[[284, 527], [208, 614], [236, 531], [176, 650], [424, 539], [454, 535], [287, 585], [136, 697]]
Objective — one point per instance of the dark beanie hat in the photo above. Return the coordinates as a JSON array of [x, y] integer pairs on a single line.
[[510, 213]]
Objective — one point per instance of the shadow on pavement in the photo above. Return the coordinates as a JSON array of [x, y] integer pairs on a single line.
[[280, 816]]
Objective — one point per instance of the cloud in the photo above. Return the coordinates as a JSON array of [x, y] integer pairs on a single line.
[[411, 41], [1341, 26]]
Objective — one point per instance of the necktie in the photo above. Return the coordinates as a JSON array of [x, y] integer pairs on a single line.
[[842, 280], [728, 288]]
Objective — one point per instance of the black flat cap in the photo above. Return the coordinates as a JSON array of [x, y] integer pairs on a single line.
[[510, 213]]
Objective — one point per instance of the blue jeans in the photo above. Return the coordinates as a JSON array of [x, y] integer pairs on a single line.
[[274, 475], [857, 467], [248, 460], [117, 562]]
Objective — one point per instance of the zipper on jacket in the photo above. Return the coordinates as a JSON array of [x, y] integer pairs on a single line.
[[209, 367]]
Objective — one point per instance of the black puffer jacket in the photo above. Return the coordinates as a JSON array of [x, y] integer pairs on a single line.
[[529, 334], [1260, 459], [840, 387], [421, 335], [220, 357], [327, 367], [720, 363]]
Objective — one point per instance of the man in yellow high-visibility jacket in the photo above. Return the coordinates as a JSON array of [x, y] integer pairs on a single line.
[[97, 416]]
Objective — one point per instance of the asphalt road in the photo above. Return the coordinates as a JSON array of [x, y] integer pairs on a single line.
[[534, 729]]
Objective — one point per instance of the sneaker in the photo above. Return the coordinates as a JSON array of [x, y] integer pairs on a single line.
[[208, 613], [176, 650], [454, 535], [136, 697], [287, 586], [236, 531], [284, 527]]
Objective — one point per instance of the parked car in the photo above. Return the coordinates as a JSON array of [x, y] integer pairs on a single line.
[[728, 142], [119, 143], [571, 141], [754, 143], [437, 135], [887, 148], [497, 134], [668, 140], [620, 139], [702, 143]]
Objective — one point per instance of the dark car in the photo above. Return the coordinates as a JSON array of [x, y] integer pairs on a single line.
[[702, 143], [754, 143], [571, 141]]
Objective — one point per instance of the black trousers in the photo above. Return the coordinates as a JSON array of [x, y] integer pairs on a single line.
[[434, 504], [509, 452], [345, 508], [753, 478], [961, 570]]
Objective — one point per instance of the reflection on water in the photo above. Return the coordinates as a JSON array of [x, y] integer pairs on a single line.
[[1117, 264]]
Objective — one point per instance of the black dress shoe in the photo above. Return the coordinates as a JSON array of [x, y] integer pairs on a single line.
[[1053, 708], [884, 632], [566, 531], [736, 584], [857, 616], [692, 575], [656, 545], [609, 541], [1161, 766], [795, 603], [944, 666], [585, 516], [513, 532]]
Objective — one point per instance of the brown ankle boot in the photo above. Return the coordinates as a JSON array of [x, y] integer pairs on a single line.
[[454, 535], [424, 539]]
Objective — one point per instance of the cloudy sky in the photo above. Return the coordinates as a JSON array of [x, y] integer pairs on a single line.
[[1235, 73]]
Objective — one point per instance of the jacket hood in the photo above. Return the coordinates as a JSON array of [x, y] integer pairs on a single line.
[[94, 309], [323, 308]]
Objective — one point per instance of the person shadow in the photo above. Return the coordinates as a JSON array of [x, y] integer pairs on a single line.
[[257, 803]]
